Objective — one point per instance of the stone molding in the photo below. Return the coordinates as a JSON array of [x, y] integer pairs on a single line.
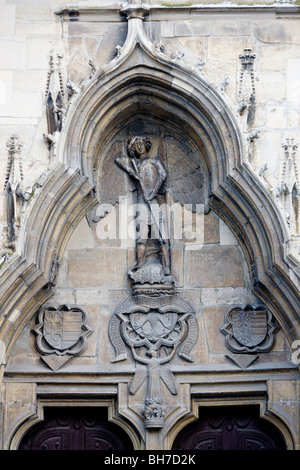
[[85, 10]]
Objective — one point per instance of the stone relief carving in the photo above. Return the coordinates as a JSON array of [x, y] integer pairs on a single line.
[[154, 323], [249, 330], [155, 329], [61, 334]]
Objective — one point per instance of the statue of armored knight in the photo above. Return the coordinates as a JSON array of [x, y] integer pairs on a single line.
[[152, 226], [156, 171]]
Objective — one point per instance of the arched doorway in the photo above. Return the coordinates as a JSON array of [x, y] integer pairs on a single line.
[[76, 429], [229, 428]]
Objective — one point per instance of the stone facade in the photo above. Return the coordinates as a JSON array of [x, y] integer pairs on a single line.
[[220, 82]]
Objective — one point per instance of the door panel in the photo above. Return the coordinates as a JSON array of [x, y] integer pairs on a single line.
[[76, 429], [229, 428]]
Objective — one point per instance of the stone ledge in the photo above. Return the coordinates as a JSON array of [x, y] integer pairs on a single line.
[[89, 11]]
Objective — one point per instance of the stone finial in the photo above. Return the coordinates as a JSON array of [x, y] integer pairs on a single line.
[[246, 90], [135, 9], [13, 188], [287, 193], [54, 97]]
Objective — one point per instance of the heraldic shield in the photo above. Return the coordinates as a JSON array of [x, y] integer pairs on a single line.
[[62, 329], [61, 333], [249, 329]]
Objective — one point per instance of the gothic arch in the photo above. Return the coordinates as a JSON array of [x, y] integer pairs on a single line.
[[188, 426], [141, 81], [28, 422]]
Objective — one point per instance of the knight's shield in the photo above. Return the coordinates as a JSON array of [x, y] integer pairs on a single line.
[[62, 329], [249, 328]]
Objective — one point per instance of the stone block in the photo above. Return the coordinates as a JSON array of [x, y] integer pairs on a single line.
[[270, 86], [231, 28], [13, 55], [226, 47], [293, 118], [167, 29], [97, 267], [64, 295], [7, 20], [38, 50], [37, 28], [213, 322], [91, 45], [201, 27], [35, 9], [81, 232], [226, 235], [272, 32], [78, 67], [260, 116], [29, 80], [274, 57], [91, 296], [218, 70], [211, 228], [183, 28], [269, 147], [277, 118], [227, 296], [177, 265], [214, 266], [196, 45], [293, 80], [5, 93], [193, 297], [27, 104], [19, 393]]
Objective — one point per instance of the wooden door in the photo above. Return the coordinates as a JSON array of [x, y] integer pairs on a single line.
[[76, 429], [229, 428]]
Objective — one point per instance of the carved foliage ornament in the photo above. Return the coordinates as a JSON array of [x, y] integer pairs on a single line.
[[61, 334], [249, 329]]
